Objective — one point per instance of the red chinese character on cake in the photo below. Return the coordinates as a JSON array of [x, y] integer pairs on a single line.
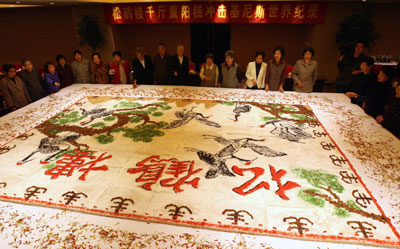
[[258, 171], [153, 168], [78, 161], [276, 176]]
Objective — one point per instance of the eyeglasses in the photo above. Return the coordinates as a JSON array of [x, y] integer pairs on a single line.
[[12, 71]]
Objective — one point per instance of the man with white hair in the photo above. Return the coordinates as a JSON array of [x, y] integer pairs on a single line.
[[180, 67]]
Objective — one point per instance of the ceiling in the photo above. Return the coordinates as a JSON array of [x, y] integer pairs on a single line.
[[42, 3]]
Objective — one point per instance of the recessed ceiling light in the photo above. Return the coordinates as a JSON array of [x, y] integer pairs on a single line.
[[51, 3], [17, 2]]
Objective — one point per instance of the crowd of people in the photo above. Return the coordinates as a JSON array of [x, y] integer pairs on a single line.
[[376, 94], [162, 69]]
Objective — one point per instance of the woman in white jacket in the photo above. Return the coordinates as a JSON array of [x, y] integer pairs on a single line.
[[255, 73]]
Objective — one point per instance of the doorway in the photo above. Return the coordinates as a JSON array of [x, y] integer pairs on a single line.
[[207, 38]]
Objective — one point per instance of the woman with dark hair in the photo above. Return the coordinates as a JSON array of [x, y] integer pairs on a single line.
[[99, 70], [33, 81], [305, 72], [209, 72], [378, 96], [120, 70], [51, 78], [64, 71], [276, 76], [13, 88], [255, 72], [81, 68]]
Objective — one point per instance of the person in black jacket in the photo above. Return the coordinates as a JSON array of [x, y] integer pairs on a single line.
[[161, 66], [180, 67], [391, 117], [142, 68], [378, 96], [33, 81], [349, 66], [365, 84]]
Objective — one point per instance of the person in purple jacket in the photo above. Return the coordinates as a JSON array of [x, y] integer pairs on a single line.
[[51, 78]]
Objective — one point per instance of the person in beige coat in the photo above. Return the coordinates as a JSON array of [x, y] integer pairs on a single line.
[[255, 73], [305, 72], [13, 88]]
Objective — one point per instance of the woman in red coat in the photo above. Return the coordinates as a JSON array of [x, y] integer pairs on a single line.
[[120, 70]]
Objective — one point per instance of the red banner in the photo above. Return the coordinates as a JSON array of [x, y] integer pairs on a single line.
[[216, 12]]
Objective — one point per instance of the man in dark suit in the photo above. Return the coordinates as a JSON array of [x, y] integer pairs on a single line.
[[142, 68], [180, 67], [161, 66]]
